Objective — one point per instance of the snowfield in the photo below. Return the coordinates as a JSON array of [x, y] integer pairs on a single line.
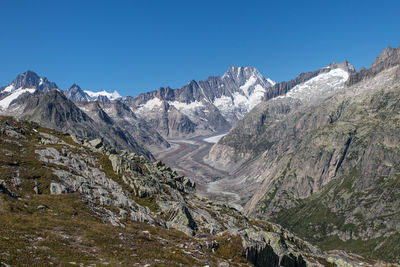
[[5, 102], [112, 96], [214, 139]]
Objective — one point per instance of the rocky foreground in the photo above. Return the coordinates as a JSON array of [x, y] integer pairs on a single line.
[[67, 201]]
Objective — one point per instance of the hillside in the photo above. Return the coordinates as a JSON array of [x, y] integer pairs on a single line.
[[326, 168], [67, 201]]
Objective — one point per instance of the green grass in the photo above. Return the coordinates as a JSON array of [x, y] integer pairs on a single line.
[[312, 220]]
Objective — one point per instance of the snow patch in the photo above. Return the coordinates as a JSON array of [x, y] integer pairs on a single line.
[[9, 88], [223, 102], [252, 80], [319, 86], [112, 96], [182, 106], [5, 102], [150, 105], [256, 97], [271, 81], [214, 139]]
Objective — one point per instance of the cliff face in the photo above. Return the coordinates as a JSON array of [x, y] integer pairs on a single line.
[[326, 169]]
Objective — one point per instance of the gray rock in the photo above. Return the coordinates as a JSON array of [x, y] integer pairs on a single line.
[[57, 189], [96, 143]]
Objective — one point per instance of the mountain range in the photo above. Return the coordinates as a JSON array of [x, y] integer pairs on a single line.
[[317, 154]]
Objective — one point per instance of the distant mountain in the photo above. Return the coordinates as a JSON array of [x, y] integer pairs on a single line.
[[31, 97], [76, 94], [321, 157], [53, 110], [202, 107], [27, 82], [280, 100], [29, 79], [118, 114]]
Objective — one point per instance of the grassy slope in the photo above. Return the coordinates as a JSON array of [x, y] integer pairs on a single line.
[[43, 229]]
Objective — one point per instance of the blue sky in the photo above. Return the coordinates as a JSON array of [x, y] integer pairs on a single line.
[[138, 46]]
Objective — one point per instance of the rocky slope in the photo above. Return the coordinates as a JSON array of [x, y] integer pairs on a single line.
[[65, 201], [308, 89], [203, 107], [325, 167], [29, 79], [76, 94], [35, 98], [52, 109], [116, 113]]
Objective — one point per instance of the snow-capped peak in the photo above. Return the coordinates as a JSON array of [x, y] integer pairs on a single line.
[[112, 96]]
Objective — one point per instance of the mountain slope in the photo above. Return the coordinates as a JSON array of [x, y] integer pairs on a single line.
[[76, 94], [244, 142], [118, 114], [27, 82], [66, 201], [203, 107], [29, 79], [52, 109], [326, 167]]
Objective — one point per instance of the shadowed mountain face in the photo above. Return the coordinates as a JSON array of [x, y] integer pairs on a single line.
[[322, 159], [76, 94], [203, 107], [118, 114], [52, 109]]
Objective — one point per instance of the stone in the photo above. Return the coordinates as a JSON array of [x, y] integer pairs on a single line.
[[57, 189], [42, 207], [96, 143]]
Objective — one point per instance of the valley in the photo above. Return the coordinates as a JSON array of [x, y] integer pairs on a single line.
[[186, 157], [200, 133], [236, 155]]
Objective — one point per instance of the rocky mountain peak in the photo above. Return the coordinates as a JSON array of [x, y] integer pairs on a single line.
[[76, 94], [240, 74], [345, 65], [384, 55], [29, 79], [387, 59], [75, 87], [103, 98]]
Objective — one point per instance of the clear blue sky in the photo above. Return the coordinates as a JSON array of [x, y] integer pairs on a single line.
[[138, 46]]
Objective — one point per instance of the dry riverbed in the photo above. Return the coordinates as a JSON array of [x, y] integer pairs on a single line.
[[186, 157]]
